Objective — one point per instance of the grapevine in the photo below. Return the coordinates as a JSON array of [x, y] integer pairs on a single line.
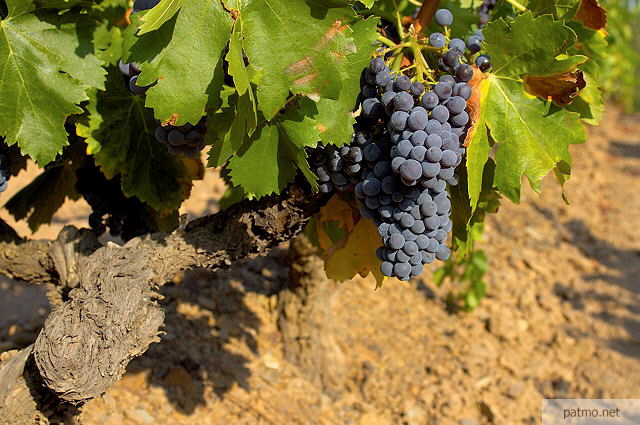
[[385, 131]]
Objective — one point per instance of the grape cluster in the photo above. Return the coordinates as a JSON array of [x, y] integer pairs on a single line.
[[130, 71], [484, 11], [187, 139], [417, 132], [123, 216], [5, 173], [341, 167]]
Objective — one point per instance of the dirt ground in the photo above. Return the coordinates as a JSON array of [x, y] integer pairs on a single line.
[[561, 320]]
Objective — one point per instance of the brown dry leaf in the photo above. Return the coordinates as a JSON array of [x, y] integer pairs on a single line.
[[592, 15], [473, 104], [561, 88]]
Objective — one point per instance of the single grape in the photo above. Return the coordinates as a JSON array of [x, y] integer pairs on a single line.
[[175, 137], [402, 270], [474, 44], [442, 90], [483, 62], [430, 100], [418, 119], [456, 104], [451, 58], [464, 72], [433, 127], [430, 169], [387, 99], [419, 138], [460, 120], [411, 170], [434, 154], [134, 88], [448, 158], [371, 107], [440, 113], [371, 186], [386, 268], [457, 45], [418, 153], [403, 83], [377, 65], [443, 17], [417, 89], [396, 241], [382, 79], [437, 40], [404, 148], [398, 120], [403, 101]]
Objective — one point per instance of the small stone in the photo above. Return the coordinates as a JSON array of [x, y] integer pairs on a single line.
[[415, 415], [515, 390]]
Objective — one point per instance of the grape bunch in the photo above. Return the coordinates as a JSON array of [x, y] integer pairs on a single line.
[[130, 71], [484, 11], [417, 131], [341, 167], [5, 173], [187, 139], [123, 216]]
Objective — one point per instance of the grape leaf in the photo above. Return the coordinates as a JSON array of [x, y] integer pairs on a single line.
[[592, 15], [44, 78], [355, 254], [159, 14], [559, 9], [589, 104], [40, 199], [561, 88], [258, 167], [515, 52], [333, 116], [121, 136], [279, 148], [313, 65], [532, 137], [188, 74]]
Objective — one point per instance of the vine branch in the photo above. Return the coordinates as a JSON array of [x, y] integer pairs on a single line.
[[427, 10]]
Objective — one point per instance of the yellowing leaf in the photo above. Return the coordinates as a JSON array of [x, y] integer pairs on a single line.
[[338, 212], [355, 255]]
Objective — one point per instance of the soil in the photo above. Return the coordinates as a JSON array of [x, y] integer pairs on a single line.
[[561, 320]]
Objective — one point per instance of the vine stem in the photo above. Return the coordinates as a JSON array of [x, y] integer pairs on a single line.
[[426, 13], [517, 5], [384, 40]]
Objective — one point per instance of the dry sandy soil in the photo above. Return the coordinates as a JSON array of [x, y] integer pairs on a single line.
[[562, 319]]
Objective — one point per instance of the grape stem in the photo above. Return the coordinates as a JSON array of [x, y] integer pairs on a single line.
[[517, 5], [384, 40]]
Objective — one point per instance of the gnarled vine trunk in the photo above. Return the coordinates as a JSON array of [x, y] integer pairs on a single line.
[[107, 312]]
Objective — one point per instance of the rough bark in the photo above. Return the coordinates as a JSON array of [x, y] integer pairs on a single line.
[[110, 314], [305, 320]]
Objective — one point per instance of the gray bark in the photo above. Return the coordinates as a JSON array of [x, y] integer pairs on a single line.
[[108, 313]]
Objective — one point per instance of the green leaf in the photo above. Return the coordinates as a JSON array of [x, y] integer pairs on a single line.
[[39, 200], [159, 14], [188, 74], [532, 136], [121, 133], [44, 78], [299, 47], [333, 116], [530, 45], [259, 168], [559, 9]]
